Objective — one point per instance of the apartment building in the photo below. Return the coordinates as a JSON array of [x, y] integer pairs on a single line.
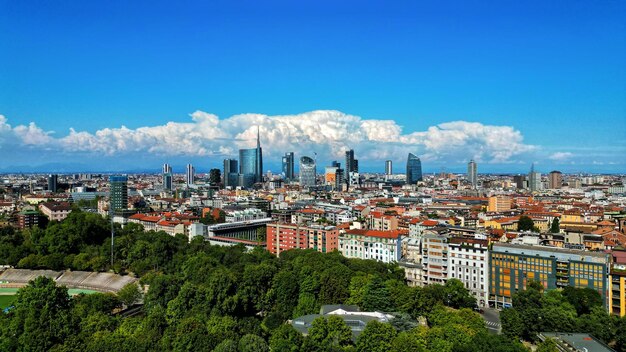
[[383, 246], [469, 263], [283, 237]]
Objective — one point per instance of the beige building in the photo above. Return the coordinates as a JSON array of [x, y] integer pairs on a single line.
[[499, 203], [555, 180], [56, 211]]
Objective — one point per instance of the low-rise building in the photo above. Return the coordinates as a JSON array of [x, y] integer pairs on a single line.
[[283, 237], [371, 244], [513, 266], [56, 211]]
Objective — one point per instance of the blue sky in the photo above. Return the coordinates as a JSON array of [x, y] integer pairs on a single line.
[[553, 71]]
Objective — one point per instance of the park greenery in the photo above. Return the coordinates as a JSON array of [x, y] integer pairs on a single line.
[[201, 297], [569, 310]]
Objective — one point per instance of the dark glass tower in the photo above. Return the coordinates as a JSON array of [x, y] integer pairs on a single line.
[[231, 172], [251, 161], [352, 165], [118, 193], [288, 166], [413, 169], [52, 183]]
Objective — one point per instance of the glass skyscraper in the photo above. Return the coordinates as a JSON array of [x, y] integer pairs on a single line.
[[413, 169], [472, 175], [307, 172], [288, 166], [251, 162], [118, 193]]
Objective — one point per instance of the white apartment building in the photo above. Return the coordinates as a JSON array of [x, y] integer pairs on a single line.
[[468, 261], [383, 246]]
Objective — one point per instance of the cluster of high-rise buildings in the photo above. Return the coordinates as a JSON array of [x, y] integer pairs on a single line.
[[494, 233]]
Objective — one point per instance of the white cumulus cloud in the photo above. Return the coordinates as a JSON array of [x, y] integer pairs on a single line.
[[328, 132], [561, 156]]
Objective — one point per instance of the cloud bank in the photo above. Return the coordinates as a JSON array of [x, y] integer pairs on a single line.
[[328, 132]]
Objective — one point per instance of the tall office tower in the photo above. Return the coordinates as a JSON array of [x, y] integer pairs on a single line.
[[472, 175], [555, 179], [251, 162], [534, 179], [307, 172], [118, 193], [52, 183], [413, 169], [288, 166], [231, 173], [339, 179], [167, 181], [215, 177], [352, 165], [520, 181], [167, 169], [388, 168], [190, 175]]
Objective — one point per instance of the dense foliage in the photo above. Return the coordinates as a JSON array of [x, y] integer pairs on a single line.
[[204, 297], [567, 310]]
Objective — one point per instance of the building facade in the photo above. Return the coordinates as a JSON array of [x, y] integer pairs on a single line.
[[434, 258], [499, 203], [288, 166], [190, 175], [384, 246], [512, 266], [283, 237], [52, 183], [555, 179], [118, 193], [469, 263], [472, 175], [307, 172], [413, 169]]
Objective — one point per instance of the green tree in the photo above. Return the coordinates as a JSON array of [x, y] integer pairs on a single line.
[[227, 345], [252, 343], [525, 224], [376, 337], [376, 296], [40, 318], [408, 341], [513, 325], [554, 226], [286, 339], [129, 294], [457, 296], [548, 345], [583, 299]]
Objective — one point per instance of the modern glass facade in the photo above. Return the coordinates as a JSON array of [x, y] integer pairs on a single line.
[[472, 176], [307, 172], [231, 172], [118, 193], [288, 166], [167, 181], [413, 169]]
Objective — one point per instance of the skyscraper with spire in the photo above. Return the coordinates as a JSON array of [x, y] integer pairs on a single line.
[[251, 163], [534, 179]]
